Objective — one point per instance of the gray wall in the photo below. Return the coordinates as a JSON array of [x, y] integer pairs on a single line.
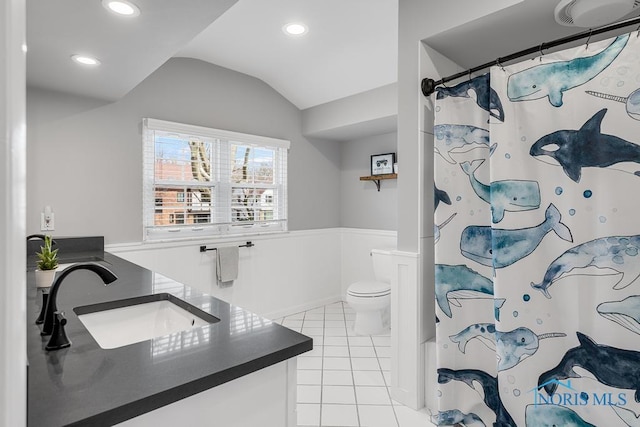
[[373, 112], [85, 156], [362, 206]]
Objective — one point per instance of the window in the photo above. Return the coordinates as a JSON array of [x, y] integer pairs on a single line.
[[201, 181]]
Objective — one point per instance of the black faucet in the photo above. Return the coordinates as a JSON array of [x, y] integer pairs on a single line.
[[50, 313]]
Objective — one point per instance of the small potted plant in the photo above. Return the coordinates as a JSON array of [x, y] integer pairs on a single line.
[[47, 264]]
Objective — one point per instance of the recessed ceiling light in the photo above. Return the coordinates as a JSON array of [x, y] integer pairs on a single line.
[[121, 7], [295, 29], [85, 60]]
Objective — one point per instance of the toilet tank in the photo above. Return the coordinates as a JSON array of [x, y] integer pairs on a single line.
[[381, 259]]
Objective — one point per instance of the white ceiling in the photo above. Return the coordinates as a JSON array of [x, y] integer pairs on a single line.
[[129, 48], [351, 45], [519, 27]]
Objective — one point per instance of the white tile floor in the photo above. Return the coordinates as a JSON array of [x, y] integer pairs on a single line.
[[344, 380]]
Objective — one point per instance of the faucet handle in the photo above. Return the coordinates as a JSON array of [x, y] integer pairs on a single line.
[[58, 338]]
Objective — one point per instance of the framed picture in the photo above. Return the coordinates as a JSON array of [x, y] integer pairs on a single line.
[[382, 164]]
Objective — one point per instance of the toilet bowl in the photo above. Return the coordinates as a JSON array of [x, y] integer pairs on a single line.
[[370, 299]]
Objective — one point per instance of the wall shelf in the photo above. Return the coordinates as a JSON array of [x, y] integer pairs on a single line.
[[377, 178]]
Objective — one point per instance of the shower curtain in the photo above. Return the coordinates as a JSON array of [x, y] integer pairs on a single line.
[[537, 179]]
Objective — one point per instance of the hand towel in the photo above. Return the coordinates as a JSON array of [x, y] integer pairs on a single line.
[[227, 265]]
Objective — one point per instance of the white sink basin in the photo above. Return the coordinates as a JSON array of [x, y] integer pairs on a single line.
[[140, 319]]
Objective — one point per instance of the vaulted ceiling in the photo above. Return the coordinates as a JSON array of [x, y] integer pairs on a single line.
[[351, 46]]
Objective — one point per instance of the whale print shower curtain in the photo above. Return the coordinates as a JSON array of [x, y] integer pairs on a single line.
[[537, 231]]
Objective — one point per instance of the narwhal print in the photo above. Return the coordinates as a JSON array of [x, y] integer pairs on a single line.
[[620, 254], [511, 347], [632, 102], [437, 228], [440, 196]]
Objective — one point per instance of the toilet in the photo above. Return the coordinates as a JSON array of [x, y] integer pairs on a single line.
[[370, 299]]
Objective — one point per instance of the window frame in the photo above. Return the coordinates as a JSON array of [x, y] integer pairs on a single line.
[[221, 204]]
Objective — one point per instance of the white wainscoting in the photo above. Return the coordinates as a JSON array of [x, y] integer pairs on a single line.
[[407, 349], [282, 274]]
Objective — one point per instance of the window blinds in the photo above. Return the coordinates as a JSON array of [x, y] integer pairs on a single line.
[[202, 181]]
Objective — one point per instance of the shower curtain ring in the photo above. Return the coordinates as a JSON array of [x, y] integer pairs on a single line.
[[541, 53], [638, 31], [469, 79], [589, 38], [499, 64]]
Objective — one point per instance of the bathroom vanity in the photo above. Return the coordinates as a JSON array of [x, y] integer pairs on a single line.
[[205, 375]]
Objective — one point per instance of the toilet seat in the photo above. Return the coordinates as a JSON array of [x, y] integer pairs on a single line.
[[369, 289]]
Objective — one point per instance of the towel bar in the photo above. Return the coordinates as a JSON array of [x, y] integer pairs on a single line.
[[203, 248]]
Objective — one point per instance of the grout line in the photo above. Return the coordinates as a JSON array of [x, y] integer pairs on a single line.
[[322, 365], [358, 406], [384, 380], [353, 379]]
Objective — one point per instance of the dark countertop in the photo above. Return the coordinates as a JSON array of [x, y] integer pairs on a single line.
[[86, 385]]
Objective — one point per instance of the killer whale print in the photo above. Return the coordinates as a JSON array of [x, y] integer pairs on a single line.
[[440, 196], [486, 97], [611, 366], [511, 347], [455, 282], [490, 392], [456, 417], [552, 80], [553, 416], [500, 248], [625, 313], [454, 137], [586, 147], [617, 253], [507, 195]]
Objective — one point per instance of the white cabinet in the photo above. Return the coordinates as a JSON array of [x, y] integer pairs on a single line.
[[266, 398]]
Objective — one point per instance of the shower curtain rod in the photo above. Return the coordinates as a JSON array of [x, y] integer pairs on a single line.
[[429, 85]]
